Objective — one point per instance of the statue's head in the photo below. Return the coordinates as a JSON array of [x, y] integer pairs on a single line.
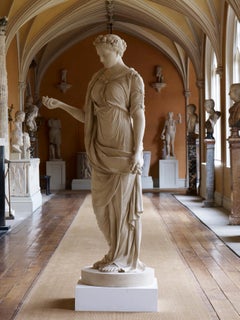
[[111, 42], [235, 92]]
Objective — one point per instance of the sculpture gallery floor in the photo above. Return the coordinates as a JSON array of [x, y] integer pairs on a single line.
[[198, 275]]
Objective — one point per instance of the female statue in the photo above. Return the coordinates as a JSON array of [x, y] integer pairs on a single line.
[[114, 127]]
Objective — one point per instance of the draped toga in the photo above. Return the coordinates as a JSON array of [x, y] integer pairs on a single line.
[[116, 192]]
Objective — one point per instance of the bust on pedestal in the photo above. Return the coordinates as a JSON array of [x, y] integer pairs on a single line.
[[234, 142], [210, 150]]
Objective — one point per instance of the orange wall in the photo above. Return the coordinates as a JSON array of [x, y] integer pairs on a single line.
[[12, 74], [81, 62]]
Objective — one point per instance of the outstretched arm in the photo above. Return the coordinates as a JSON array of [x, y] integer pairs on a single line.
[[52, 103]]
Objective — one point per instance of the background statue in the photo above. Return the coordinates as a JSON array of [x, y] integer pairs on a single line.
[[26, 146], [158, 73], [192, 119], [234, 111], [31, 115], [169, 132], [212, 119], [114, 127], [54, 139], [17, 133]]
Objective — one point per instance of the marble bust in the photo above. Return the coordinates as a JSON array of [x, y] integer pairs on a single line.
[[234, 111], [213, 117], [114, 122]]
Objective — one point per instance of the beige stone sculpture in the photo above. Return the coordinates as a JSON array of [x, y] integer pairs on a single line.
[[169, 132], [114, 127], [209, 105], [31, 115], [17, 133], [192, 119], [54, 139], [234, 111]]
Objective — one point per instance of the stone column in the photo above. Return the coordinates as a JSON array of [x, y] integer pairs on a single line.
[[3, 87], [234, 143], [210, 148], [192, 163], [4, 136]]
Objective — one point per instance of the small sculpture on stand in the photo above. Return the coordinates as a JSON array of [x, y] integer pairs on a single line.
[[31, 125], [63, 85], [54, 139], [192, 120], [17, 134], [234, 111], [169, 132], [212, 119], [234, 143], [159, 84]]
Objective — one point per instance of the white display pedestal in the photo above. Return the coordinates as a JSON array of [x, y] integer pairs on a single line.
[[117, 299], [114, 291], [24, 185], [57, 171], [85, 184], [81, 184], [168, 173], [147, 182]]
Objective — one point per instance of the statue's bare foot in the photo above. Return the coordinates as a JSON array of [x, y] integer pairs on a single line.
[[111, 268]]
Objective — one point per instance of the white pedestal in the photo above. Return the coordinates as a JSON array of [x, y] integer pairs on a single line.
[[147, 183], [85, 184], [168, 173], [81, 184], [117, 299], [57, 171], [24, 185]]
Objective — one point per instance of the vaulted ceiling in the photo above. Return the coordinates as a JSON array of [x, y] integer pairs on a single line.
[[45, 28]]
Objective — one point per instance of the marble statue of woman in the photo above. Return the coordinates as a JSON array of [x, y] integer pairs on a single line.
[[17, 134], [169, 132], [114, 127]]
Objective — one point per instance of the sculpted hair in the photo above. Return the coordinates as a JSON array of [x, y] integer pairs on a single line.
[[112, 42]]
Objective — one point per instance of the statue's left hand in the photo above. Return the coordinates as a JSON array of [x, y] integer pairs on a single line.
[[137, 163]]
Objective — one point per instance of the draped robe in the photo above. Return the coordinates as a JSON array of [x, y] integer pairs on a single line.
[[116, 192]]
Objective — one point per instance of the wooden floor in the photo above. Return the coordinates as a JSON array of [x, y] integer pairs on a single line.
[[26, 250]]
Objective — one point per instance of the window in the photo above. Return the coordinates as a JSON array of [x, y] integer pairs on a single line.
[[212, 91]]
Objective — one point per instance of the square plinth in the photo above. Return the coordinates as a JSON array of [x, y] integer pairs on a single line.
[[116, 299]]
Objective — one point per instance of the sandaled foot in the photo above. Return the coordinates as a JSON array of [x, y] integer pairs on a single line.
[[111, 268]]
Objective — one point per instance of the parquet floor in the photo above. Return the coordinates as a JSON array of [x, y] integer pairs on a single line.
[[26, 250]]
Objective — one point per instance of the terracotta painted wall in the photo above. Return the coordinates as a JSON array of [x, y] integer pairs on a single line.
[[12, 75], [81, 62]]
